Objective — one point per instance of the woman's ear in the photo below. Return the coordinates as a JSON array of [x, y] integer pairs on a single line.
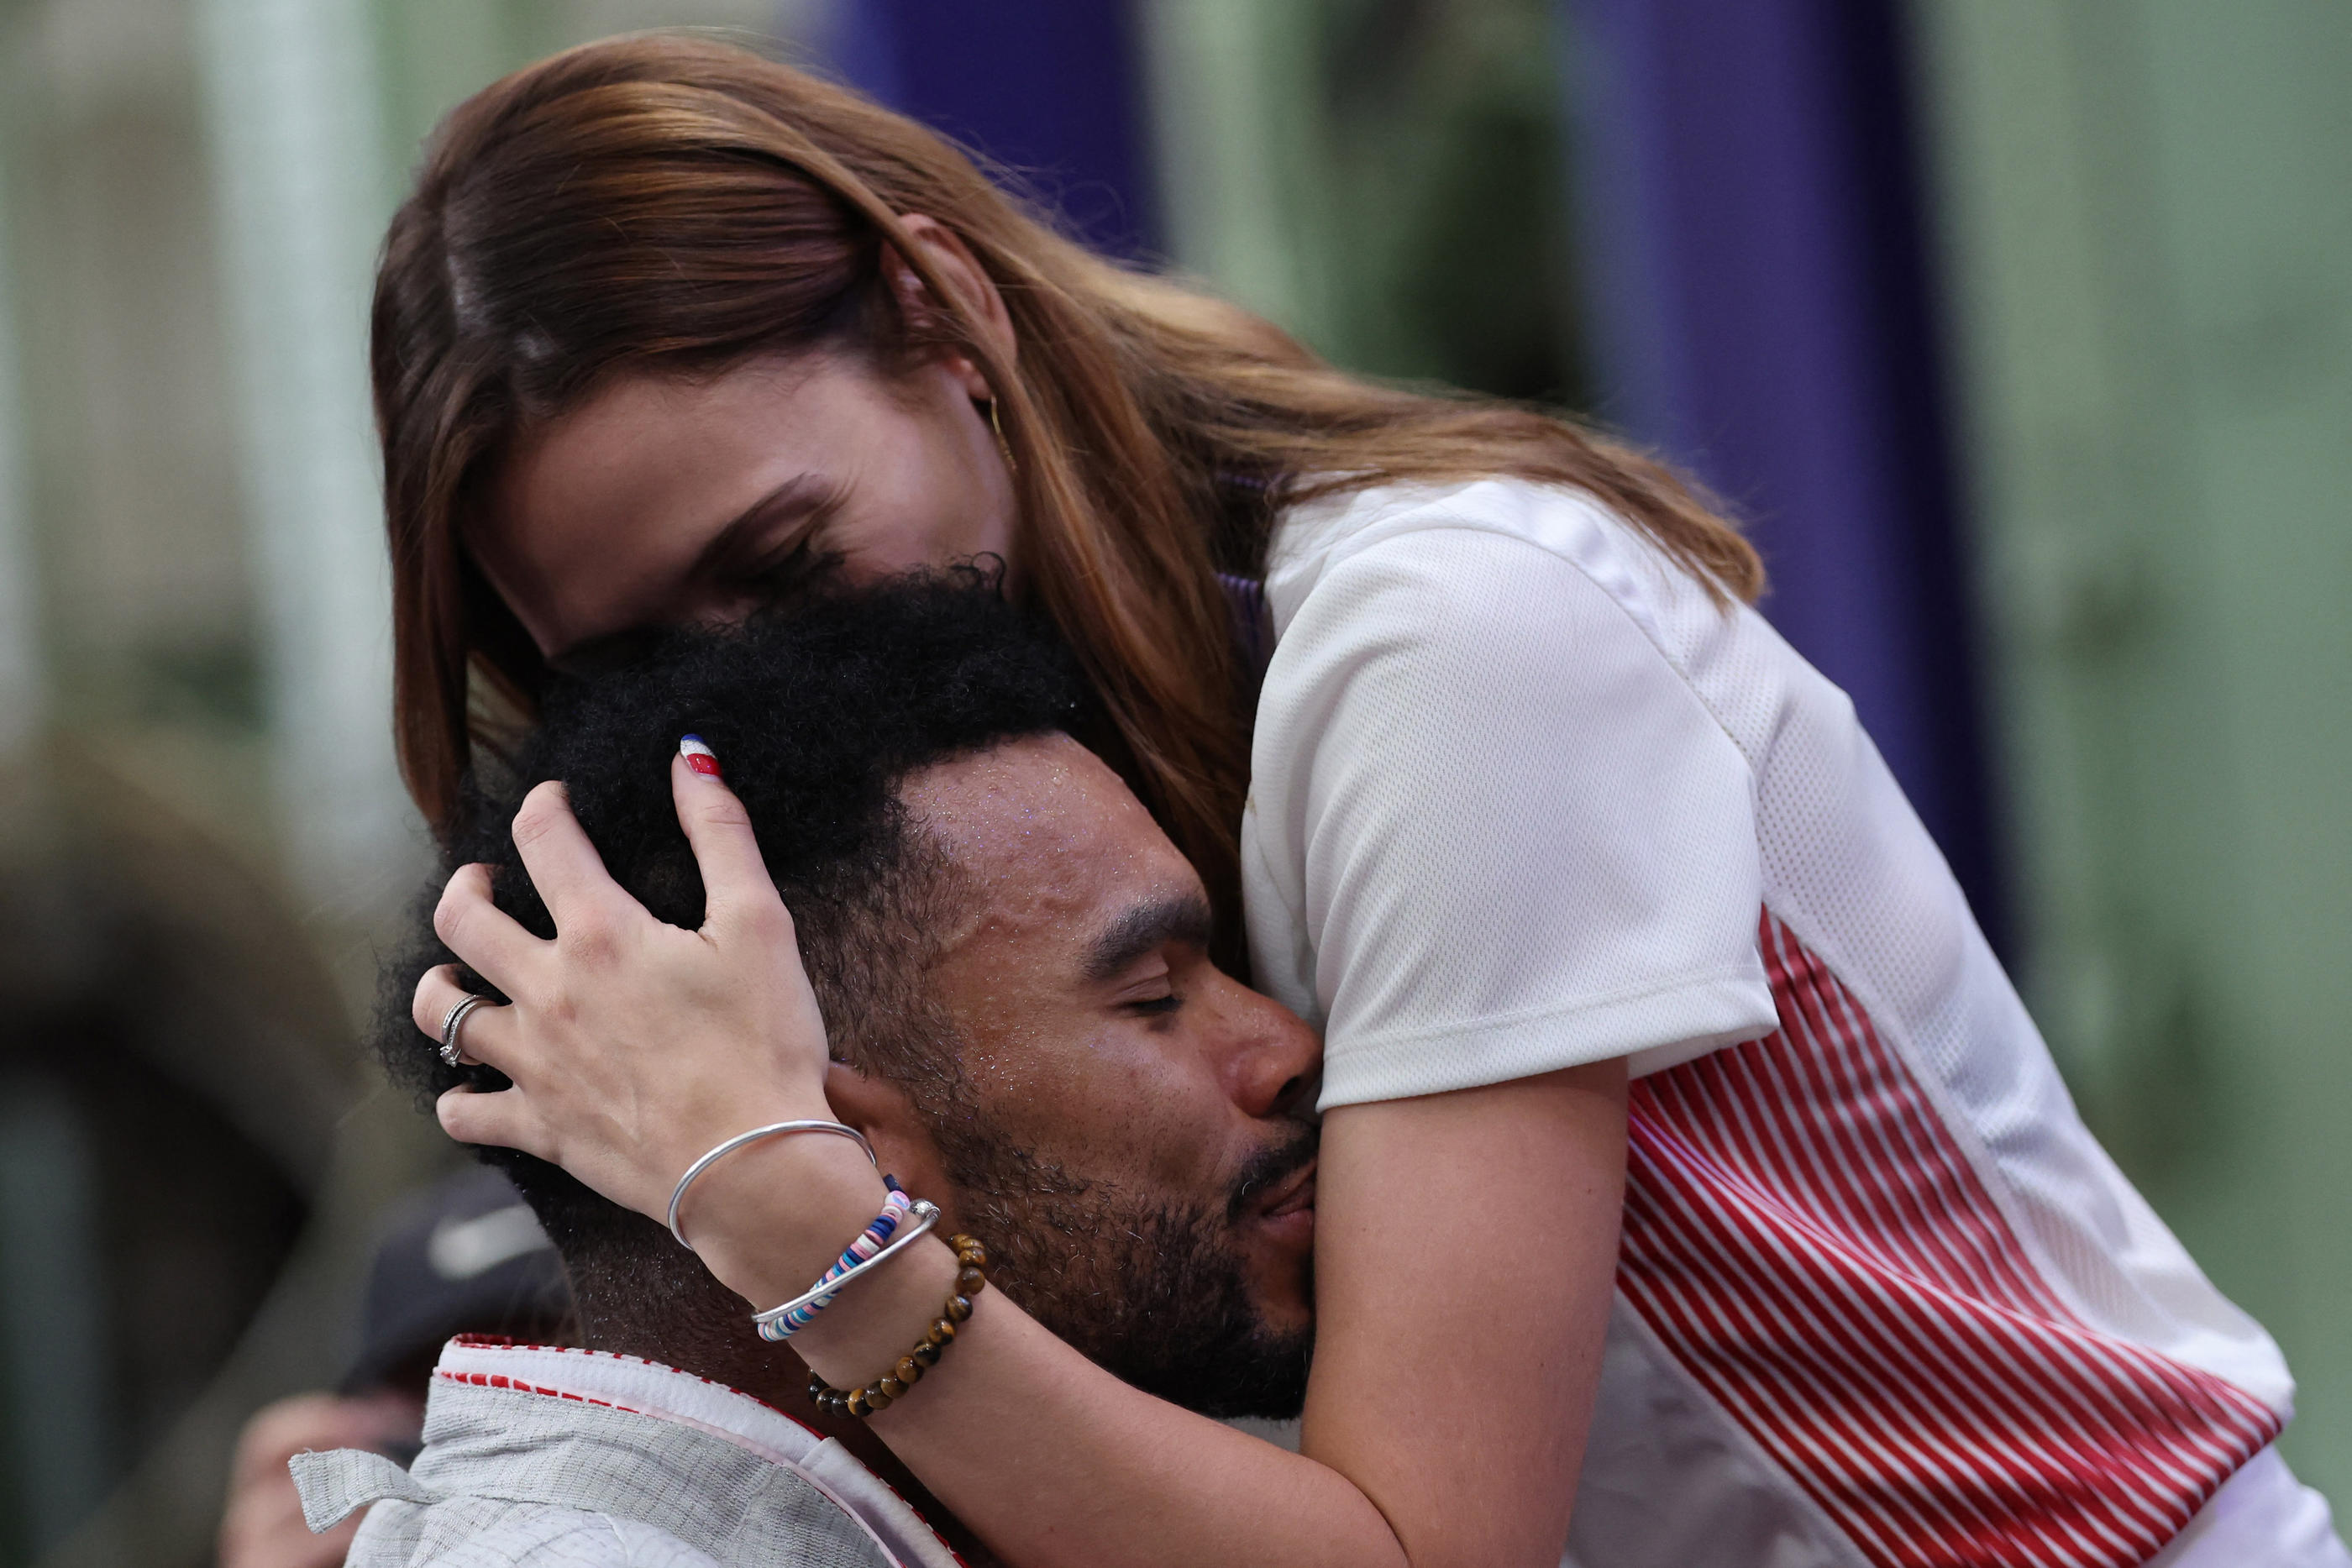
[[902, 1144], [963, 276]]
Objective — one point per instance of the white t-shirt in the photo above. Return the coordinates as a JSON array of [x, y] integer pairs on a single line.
[[1522, 796]]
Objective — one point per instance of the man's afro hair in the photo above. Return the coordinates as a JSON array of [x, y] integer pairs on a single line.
[[816, 713]]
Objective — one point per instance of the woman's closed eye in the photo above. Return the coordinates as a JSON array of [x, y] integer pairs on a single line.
[[774, 550], [785, 572]]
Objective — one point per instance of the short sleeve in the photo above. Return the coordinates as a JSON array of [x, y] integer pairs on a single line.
[[1492, 831]]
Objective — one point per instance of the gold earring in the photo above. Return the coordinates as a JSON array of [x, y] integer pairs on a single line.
[[1002, 446]]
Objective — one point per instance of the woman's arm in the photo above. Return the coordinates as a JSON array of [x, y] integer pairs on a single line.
[[1465, 1247], [1465, 1251]]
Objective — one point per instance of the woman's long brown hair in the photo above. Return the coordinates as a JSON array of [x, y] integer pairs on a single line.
[[674, 206]]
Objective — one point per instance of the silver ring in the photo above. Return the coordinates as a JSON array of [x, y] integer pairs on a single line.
[[451, 1022]]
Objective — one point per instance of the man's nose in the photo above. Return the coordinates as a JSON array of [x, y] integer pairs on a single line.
[[1275, 1066]]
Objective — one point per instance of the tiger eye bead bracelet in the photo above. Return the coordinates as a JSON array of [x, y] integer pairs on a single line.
[[971, 1278]]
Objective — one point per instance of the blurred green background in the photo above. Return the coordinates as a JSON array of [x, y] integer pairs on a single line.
[[2138, 221]]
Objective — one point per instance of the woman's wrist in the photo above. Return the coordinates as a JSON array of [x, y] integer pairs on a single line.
[[872, 1322], [786, 1221], [769, 1219]]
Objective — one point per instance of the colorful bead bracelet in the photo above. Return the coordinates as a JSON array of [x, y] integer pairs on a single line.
[[872, 1245]]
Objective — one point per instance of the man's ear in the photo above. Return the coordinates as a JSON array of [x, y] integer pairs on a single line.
[[975, 293], [903, 1146]]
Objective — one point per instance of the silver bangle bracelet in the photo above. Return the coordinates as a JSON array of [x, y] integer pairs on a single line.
[[773, 1130], [923, 1215]]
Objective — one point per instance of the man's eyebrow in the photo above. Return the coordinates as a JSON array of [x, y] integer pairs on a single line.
[[1143, 928], [804, 499]]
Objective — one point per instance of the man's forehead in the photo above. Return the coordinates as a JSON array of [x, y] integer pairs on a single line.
[[1042, 825], [1039, 795]]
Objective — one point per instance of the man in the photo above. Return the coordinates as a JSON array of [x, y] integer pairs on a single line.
[[1014, 961]]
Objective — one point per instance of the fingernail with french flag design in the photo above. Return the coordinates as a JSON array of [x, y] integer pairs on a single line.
[[699, 756]]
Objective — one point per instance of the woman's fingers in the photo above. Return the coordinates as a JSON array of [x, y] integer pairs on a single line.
[[631, 1046], [735, 880], [485, 1034], [485, 936], [501, 1118], [563, 864]]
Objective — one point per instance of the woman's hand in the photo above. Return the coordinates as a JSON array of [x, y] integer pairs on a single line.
[[632, 1045]]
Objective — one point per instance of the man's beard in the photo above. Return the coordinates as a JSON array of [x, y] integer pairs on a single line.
[[1154, 1291]]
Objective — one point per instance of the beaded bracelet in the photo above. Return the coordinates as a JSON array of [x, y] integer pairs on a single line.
[[971, 1260], [777, 1327]]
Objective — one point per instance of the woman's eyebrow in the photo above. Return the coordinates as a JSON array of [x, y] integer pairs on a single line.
[[804, 499], [1144, 927], [802, 502]]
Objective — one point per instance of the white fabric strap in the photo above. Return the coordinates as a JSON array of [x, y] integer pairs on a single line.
[[337, 1483]]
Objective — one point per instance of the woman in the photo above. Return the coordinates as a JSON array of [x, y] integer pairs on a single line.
[[1533, 804]]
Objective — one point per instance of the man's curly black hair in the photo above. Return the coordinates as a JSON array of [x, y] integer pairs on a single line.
[[817, 714]]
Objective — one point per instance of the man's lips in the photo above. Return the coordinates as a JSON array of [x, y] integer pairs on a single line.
[[1293, 1193]]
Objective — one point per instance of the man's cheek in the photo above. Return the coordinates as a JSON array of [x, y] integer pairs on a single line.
[[1115, 1097], [1168, 1122]]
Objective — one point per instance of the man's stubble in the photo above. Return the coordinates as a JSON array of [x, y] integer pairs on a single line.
[[1153, 1291]]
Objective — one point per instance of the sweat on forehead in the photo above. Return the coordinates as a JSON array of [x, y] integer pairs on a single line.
[[1029, 801], [1056, 847]]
